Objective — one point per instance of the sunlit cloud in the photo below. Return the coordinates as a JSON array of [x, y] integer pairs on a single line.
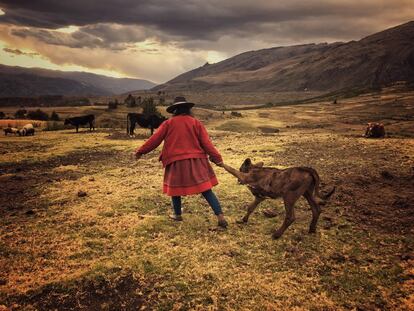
[[146, 39], [69, 29]]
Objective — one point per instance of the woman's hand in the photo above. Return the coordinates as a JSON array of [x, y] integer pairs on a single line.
[[137, 156]]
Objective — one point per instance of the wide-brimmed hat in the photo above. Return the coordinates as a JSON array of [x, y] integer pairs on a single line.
[[179, 101]]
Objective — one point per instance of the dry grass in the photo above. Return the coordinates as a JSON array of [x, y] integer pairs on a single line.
[[56, 245]]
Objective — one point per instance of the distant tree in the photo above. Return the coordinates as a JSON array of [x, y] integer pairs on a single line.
[[38, 115], [20, 114], [113, 104], [130, 101], [138, 101], [2, 115], [83, 101], [149, 107], [161, 98], [54, 116]]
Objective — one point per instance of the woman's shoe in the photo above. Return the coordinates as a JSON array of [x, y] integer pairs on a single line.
[[176, 217]]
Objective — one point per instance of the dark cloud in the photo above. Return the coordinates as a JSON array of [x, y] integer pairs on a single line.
[[208, 19], [74, 40], [110, 36], [19, 52]]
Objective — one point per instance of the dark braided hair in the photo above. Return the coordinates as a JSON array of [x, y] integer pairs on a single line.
[[182, 110]]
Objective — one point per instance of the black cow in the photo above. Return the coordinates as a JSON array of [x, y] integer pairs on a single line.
[[150, 122], [82, 120]]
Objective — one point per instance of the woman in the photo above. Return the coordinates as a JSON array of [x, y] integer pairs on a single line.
[[185, 158]]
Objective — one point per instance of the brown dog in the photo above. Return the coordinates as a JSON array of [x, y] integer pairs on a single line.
[[290, 184]]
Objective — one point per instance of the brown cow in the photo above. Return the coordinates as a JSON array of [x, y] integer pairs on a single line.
[[290, 184], [375, 130], [11, 130]]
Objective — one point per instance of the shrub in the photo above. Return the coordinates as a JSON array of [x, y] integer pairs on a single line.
[[54, 126], [38, 115], [54, 116], [130, 101], [2, 115], [149, 107], [20, 114], [113, 104]]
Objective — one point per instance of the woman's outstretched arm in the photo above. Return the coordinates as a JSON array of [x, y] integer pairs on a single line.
[[154, 141]]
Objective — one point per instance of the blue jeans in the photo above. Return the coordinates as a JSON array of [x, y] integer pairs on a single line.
[[208, 195]]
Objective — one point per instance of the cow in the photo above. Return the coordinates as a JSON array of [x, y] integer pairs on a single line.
[[150, 122], [27, 130], [82, 120], [290, 184], [11, 130], [375, 130]]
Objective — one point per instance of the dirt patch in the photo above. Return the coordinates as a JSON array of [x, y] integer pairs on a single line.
[[23, 183], [268, 129], [119, 291], [236, 126], [373, 191], [72, 158], [392, 210]]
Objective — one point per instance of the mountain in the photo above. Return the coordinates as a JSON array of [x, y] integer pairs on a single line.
[[371, 62], [20, 81]]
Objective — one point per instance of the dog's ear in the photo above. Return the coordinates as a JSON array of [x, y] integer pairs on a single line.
[[247, 161], [260, 164], [245, 167]]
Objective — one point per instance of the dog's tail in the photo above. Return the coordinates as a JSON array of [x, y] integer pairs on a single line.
[[316, 179]]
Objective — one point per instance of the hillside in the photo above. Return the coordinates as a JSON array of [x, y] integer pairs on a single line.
[[19, 81], [374, 61]]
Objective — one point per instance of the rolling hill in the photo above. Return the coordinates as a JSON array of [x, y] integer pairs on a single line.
[[20, 81], [374, 61]]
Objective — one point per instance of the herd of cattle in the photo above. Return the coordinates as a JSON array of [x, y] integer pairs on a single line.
[[373, 130], [145, 121]]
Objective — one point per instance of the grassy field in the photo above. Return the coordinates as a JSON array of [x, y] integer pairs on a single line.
[[115, 248]]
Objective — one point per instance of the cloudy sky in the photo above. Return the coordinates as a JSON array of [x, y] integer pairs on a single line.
[[158, 39]]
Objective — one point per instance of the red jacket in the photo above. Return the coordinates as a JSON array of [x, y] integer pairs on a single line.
[[184, 137]]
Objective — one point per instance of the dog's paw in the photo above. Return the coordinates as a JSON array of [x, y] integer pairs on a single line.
[[276, 235]]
